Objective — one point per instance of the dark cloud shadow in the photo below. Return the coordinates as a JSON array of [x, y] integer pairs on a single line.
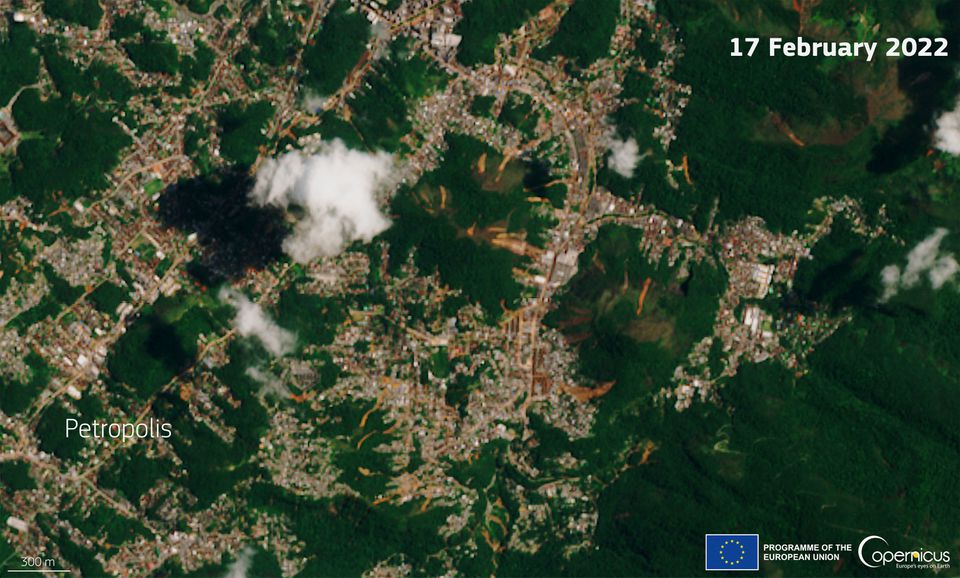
[[234, 235]]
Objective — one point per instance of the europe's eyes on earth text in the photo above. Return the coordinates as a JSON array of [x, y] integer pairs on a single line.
[[476, 288]]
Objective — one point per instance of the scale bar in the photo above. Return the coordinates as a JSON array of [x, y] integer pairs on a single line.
[[41, 571]]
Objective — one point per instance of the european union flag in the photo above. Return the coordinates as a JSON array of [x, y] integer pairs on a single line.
[[733, 551]]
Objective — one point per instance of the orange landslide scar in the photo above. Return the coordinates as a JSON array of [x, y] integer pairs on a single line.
[[643, 294]]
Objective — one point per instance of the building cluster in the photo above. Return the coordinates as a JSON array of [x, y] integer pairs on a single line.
[[761, 266], [447, 386]]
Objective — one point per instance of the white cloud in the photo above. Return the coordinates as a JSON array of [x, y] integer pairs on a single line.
[[240, 567], [270, 382], [252, 321], [314, 102], [336, 188], [946, 137], [890, 276], [624, 155], [924, 260], [943, 270]]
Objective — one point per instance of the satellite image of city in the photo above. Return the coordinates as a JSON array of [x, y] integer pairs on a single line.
[[476, 288]]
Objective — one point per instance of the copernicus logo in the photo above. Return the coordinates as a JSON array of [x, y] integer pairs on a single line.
[[874, 552], [733, 551]]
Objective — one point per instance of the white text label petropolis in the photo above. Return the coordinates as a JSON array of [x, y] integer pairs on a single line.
[[122, 431]]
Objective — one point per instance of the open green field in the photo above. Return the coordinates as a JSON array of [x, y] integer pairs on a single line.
[[483, 22], [161, 343], [456, 215], [335, 49]]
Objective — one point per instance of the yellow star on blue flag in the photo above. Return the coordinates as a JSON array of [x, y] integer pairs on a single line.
[[732, 552]]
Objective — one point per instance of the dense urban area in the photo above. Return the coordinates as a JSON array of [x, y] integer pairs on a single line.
[[479, 287]]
